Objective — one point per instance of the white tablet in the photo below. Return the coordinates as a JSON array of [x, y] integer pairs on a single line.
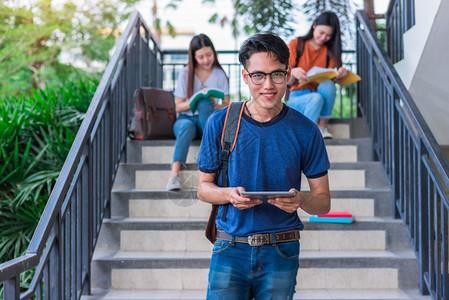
[[266, 195]]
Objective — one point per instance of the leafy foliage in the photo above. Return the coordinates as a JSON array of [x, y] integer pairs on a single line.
[[261, 15], [36, 133], [278, 16], [344, 108], [253, 16], [34, 33]]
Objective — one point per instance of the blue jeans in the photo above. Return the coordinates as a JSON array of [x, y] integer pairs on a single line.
[[314, 104], [186, 128], [240, 271]]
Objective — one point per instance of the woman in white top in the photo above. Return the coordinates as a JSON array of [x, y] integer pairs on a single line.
[[203, 71]]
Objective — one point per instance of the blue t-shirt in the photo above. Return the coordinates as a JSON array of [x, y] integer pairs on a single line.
[[268, 156]]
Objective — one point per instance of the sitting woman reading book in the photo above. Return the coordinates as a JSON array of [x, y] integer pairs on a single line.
[[203, 72], [320, 47]]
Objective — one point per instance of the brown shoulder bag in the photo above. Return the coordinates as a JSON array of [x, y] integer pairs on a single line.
[[228, 139]]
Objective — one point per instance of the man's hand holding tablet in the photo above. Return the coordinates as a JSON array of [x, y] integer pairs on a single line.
[[285, 200], [268, 195]]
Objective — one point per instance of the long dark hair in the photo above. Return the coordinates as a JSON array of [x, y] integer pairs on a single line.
[[334, 47], [198, 41]]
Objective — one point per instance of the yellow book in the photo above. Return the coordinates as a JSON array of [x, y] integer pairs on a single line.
[[317, 74]]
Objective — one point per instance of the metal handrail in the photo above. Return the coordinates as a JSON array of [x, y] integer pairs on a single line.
[[62, 246], [416, 168], [400, 17]]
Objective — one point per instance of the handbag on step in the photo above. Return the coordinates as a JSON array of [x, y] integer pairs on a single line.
[[154, 114]]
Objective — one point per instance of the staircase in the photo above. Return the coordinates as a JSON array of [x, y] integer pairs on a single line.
[[153, 246]]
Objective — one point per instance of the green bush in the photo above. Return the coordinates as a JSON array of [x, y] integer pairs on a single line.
[[36, 133], [343, 108]]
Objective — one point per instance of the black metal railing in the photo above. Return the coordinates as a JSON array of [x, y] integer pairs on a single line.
[[62, 246], [400, 17], [415, 166], [175, 60]]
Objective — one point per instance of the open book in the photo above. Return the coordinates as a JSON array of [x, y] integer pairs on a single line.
[[201, 94], [318, 74]]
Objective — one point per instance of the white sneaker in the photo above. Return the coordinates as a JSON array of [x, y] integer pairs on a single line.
[[325, 133], [174, 183]]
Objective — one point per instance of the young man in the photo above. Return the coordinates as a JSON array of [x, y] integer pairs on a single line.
[[274, 146]]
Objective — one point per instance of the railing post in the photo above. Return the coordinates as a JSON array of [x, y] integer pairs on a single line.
[[54, 263], [86, 238], [359, 68], [396, 158], [423, 238], [371, 99], [11, 288], [138, 57], [108, 152]]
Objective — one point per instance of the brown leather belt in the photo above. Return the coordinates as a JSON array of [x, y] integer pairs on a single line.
[[262, 238]]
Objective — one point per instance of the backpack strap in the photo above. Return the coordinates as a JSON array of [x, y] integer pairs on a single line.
[[228, 139], [300, 52]]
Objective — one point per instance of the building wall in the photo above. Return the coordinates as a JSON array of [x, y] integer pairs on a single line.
[[429, 86], [416, 38], [426, 61]]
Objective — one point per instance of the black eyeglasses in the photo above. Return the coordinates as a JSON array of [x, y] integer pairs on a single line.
[[276, 76]]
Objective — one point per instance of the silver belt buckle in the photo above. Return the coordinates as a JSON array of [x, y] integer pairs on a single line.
[[258, 239]]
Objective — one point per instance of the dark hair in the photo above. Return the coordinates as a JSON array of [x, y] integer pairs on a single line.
[[198, 41], [329, 18], [264, 42]]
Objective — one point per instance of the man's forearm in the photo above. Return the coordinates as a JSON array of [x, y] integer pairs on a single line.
[[211, 193], [315, 204]]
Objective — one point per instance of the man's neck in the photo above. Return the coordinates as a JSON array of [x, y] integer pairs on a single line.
[[262, 115]]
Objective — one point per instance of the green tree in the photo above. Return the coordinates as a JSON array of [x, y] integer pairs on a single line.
[[253, 16], [279, 16], [33, 34]]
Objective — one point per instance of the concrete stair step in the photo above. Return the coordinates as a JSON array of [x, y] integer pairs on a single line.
[[194, 240], [164, 154], [343, 278], [188, 269], [387, 234], [146, 151], [337, 179], [137, 203], [318, 269], [136, 153], [322, 294], [194, 208], [309, 258], [357, 175]]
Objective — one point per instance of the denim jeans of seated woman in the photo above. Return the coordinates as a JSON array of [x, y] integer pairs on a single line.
[[314, 104], [187, 128], [240, 271]]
